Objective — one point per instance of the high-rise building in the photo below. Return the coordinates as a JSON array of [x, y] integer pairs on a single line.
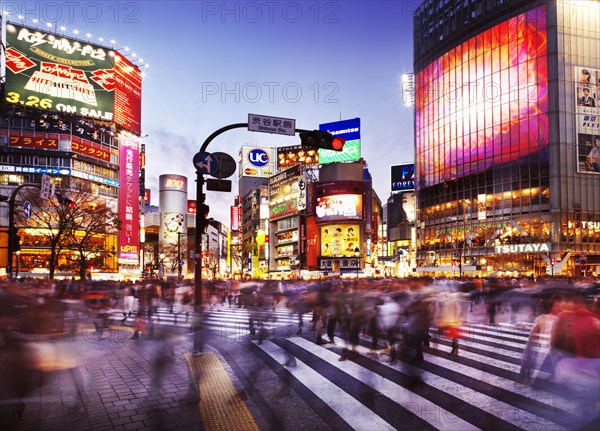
[[507, 136], [71, 110]]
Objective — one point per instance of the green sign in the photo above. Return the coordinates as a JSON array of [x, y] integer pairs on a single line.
[[350, 153]]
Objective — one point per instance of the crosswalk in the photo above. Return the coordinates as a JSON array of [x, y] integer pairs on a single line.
[[229, 322], [475, 390]]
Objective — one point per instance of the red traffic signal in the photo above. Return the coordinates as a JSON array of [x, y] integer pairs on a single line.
[[321, 139], [552, 261]]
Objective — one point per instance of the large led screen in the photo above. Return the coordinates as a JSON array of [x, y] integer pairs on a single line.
[[484, 102], [61, 74]]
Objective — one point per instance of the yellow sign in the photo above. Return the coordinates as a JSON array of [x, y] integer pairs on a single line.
[[340, 240]]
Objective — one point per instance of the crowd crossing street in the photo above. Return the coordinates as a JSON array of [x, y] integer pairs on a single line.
[[330, 357]]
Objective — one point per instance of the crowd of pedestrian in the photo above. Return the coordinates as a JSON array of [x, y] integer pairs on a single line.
[[400, 318]]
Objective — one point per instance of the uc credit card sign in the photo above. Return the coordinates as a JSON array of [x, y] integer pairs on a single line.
[[349, 130], [258, 162]]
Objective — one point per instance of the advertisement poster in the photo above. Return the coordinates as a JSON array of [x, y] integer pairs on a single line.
[[339, 207], [284, 189], [62, 74], [587, 113], [403, 177], [128, 200], [340, 240], [296, 154]]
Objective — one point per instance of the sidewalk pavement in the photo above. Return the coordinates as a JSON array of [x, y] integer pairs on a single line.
[[125, 385]]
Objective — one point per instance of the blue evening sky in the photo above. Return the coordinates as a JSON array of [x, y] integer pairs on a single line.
[[212, 63]]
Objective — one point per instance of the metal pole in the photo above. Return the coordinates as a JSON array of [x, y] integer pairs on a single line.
[[200, 198], [179, 255]]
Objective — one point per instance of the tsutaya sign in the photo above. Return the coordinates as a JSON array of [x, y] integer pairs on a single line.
[[522, 248]]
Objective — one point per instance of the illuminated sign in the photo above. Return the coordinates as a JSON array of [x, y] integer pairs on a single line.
[[403, 177], [147, 196], [470, 117], [284, 191], [257, 162], [339, 207], [340, 240], [177, 183], [522, 248], [235, 218], [296, 154], [129, 170], [258, 157], [587, 119], [350, 131], [62, 74]]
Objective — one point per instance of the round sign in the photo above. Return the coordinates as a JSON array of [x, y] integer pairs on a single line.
[[258, 157], [226, 163], [205, 163]]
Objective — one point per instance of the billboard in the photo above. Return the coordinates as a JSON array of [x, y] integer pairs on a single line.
[[235, 218], [284, 191], [485, 102], [61, 74], [403, 177], [350, 131], [257, 162], [296, 154], [339, 207], [587, 119], [340, 240], [129, 171]]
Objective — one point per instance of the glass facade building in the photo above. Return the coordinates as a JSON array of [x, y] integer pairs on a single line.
[[506, 124]]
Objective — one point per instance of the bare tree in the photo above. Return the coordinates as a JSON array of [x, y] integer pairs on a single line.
[[52, 218], [71, 219], [91, 218]]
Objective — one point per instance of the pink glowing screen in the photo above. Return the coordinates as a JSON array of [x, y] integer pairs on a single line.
[[485, 102]]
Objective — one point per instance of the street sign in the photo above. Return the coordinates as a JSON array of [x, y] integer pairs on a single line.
[[266, 124], [218, 185], [45, 187], [226, 167], [205, 163], [27, 209]]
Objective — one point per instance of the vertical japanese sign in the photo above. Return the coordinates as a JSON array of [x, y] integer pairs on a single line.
[[129, 158]]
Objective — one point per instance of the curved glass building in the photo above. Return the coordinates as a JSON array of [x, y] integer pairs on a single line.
[[507, 136]]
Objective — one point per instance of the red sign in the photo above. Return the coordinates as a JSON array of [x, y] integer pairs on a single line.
[[312, 242], [235, 218], [89, 148], [128, 95], [34, 142], [16, 61]]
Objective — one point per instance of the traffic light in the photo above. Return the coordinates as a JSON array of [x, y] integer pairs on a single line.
[[321, 139], [15, 242], [203, 210], [552, 261], [63, 200]]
